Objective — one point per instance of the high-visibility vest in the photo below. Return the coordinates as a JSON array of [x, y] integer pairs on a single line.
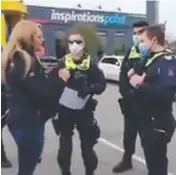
[[70, 65], [152, 59], [134, 54]]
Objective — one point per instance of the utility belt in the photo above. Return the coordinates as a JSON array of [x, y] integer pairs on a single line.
[[90, 106]]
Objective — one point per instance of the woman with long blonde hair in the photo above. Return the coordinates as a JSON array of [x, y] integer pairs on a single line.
[[31, 92]]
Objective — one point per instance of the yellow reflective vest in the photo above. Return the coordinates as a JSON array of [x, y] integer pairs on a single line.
[[152, 59], [70, 65], [134, 54]]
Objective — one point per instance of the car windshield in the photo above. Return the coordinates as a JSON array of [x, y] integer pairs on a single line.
[[111, 60]]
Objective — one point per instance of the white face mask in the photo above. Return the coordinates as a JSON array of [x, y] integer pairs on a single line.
[[75, 44], [75, 48], [136, 39]]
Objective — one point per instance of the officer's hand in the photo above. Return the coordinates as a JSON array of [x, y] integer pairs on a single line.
[[84, 91], [130, 73], [137, 80], [64, 74]]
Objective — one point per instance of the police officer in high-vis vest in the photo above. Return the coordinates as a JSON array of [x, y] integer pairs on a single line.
[[155, 88], [82, 80], [127, 103]]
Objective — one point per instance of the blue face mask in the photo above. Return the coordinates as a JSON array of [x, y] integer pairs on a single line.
[[136, 39], [144, 50]]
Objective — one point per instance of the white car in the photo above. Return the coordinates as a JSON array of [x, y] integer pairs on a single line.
[[110, 65]]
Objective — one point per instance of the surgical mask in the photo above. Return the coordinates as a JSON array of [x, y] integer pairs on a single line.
[[136, 39], [144, 50], [75, 48]]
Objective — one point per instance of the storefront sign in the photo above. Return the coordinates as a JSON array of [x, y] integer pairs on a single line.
[[89, 17]]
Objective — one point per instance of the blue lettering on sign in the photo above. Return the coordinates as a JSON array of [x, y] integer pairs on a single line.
[[115, 19], [88, 17]]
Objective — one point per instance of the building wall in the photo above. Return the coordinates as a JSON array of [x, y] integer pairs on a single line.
[[116, 26], [152, 9]]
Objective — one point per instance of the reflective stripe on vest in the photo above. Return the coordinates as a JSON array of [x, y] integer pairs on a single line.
[[70, 65], [151, 60], [134, 54]]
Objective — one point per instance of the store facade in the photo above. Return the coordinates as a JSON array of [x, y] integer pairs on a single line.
[[113, 27]]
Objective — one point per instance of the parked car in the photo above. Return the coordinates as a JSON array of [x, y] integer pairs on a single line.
[[110, 65]]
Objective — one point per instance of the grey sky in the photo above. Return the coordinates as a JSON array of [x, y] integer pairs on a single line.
[[167, 8]]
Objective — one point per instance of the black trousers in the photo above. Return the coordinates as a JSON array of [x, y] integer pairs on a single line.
[[132, 124], [89, 133], [130, 134], [155, 151]]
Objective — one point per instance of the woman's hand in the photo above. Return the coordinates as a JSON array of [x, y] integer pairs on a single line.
[[64, 74]]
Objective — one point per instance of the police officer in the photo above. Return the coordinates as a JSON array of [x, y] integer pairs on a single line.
[[5, 163], [128, 102], [156, 88], [32, 93], [82, 80]]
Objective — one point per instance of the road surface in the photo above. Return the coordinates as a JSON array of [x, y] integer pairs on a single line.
[[109, 148]]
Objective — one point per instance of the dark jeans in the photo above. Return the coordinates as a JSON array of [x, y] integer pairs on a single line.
[[155, 151], [3, 153], [89, 133], [30, 142]]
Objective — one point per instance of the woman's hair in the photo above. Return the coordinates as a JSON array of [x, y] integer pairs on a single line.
[[21, 40]]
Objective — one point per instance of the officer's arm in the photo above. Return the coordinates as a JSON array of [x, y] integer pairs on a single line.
[[166, 86], [123, 81], [98, 83]]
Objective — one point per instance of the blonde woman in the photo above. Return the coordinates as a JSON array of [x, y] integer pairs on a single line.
[[31, 92], [41, 52]]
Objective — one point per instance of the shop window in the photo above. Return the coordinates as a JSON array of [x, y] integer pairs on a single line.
[[103, 39], [60, 43], [8, 26], [11, 21], [119, 44]]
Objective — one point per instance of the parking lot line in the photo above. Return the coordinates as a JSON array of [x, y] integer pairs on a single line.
[[115, 147]]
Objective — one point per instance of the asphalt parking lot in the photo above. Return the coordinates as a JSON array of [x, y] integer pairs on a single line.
[[109, 148]]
